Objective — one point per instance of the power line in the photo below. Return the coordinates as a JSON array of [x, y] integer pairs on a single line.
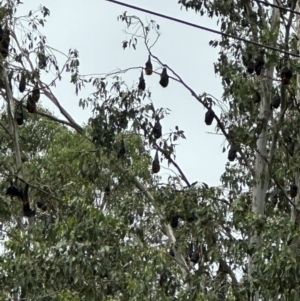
[[204, 28], [277, 6]]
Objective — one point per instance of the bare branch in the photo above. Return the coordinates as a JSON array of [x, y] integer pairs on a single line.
[[56, 119], [220, 124], [12, 124], [184, 178], [51, 96]]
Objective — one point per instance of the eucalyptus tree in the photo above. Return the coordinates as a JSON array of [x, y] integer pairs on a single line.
[[94, 231], [106, 225], [258, 64], [246, 230]]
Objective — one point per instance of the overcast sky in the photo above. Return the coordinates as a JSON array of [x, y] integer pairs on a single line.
[[92, 28]]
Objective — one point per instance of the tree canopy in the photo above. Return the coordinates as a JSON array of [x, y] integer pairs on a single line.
[[85, 213]]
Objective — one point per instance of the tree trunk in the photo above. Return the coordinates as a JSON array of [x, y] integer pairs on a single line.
[[262, 158], [14, 132], [295, 211]]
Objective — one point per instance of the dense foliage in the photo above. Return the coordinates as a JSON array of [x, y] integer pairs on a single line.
[[103, 223]]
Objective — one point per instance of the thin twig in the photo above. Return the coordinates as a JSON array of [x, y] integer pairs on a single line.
[[39, 189], [6, 130]]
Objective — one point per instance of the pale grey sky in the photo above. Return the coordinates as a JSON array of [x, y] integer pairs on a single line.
[[92, 28]]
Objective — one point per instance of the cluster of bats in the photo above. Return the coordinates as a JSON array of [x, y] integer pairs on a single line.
[[13, 190], [164, 77], [23, 194], [286, 75], [194, 253], [209, 117], [256, 65], [157, 133], [34, 97]]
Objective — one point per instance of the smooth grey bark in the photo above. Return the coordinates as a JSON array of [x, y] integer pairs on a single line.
[[11, 120], [295, 213], [13, 129], [262, 158]]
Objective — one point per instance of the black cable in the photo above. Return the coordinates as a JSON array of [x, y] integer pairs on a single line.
[[204, 28], [277, 6]]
